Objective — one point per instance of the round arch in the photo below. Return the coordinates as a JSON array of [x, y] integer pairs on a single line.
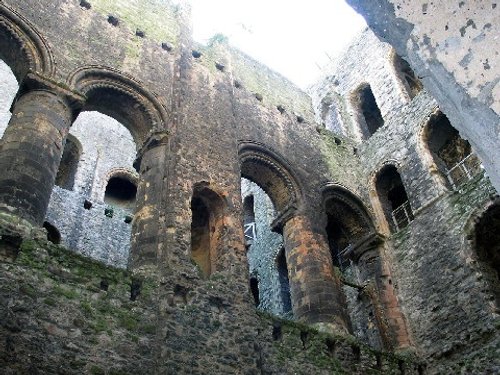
[[335, 195], [119, 96], [22, 47], [272, 173], [348, 223]]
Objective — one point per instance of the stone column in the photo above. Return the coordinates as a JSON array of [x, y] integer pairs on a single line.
[[315, 288], [376, 277], [151, 163], [32, 146]]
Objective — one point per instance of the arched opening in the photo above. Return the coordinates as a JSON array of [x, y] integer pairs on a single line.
[[393, 198], [267, 186], [9, 88], [451, 153], [207, 226], [53, 234], [370, 116], [487, 247], [347, 223], [65, 177], [120, 192], [407, 75]]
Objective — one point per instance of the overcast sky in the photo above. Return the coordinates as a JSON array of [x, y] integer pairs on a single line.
[[292, 37]]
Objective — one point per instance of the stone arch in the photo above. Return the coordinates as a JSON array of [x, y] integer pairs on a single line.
[[348, 221], [447, 154], [273, 174], [208, 209], [22, 46], [119, 96]]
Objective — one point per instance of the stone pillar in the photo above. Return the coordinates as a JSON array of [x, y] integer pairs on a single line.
[[376, 277], [32, 146], [315, 288], [151, 163]]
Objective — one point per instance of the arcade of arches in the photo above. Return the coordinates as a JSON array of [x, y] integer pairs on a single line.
[[168, 207]]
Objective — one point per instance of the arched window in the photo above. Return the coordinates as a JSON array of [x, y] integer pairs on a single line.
[[207, 224], [407, 76], [393, 198], [65, 177], [451, 153], [121, 191], [487, 247], [370, 117]]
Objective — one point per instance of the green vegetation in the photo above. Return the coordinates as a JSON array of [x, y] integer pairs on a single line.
[[156, 18]]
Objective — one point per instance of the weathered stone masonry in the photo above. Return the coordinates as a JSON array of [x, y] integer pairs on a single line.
[[384, 246]]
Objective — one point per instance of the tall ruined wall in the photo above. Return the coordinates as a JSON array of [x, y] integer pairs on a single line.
[[192, 113], [208, 117], [443, 297], [453, 47]]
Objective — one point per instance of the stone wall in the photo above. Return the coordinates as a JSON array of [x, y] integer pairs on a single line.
[[197, 124], [429, 263], [452, 47], [66, 314]]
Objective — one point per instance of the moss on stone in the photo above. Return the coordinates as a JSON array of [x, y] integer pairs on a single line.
[[156, 18]]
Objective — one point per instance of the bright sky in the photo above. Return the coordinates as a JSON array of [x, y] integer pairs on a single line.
[[292, 37]]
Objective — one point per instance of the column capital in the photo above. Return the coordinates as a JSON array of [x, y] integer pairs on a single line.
[[36, 82], [155, 139], [283, 217]]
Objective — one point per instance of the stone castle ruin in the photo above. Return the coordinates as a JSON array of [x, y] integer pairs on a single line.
[[168, 207]]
